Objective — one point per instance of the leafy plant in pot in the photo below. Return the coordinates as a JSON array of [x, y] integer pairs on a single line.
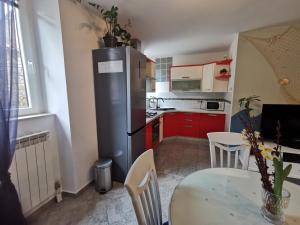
[[113, 28], [123, 34], [111, 19]]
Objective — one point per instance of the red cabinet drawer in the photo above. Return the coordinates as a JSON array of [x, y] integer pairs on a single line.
[[149, 136], [188, 130], [187, 116]]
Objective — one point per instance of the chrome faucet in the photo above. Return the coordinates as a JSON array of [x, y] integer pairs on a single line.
[[153, 99], [157, 101]]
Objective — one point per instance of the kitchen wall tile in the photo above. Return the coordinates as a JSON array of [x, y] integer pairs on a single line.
[[163, 68], [163, 92]]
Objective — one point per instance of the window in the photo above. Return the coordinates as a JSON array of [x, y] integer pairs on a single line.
[[30, 91], [24, 95]]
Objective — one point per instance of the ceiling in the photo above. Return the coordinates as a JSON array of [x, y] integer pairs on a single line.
[[171, 27]]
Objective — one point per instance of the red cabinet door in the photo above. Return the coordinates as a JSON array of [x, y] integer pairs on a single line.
[[209, 122], [170, 124], [149, 136]]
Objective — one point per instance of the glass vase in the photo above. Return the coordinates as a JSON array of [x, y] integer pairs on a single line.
[[274, 206]]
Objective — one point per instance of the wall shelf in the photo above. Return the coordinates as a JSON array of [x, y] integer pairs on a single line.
[[223, 76]]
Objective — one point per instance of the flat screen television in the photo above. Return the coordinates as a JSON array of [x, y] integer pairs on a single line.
[[289, 117]]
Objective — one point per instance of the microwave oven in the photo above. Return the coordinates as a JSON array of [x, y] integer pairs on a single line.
[[213, 105]]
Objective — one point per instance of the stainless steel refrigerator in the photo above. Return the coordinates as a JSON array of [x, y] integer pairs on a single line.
[[120, 95]]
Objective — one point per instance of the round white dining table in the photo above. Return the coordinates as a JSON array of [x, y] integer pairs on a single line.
[[225, 196]]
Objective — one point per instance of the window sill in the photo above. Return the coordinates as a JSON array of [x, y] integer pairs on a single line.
[[32, 116]]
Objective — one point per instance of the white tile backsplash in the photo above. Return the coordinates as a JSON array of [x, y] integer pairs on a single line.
[[162, 87], [162, 91]]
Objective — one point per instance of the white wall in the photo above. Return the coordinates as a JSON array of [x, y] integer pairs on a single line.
[[64, 47], [232, 54], [78, 42], [46, 28], [255, 76]]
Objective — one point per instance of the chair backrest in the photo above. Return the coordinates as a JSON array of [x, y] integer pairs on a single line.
[[141, 183], [232, 143]]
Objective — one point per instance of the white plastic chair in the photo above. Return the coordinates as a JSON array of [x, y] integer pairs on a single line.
[[232, 143], [141, 183]]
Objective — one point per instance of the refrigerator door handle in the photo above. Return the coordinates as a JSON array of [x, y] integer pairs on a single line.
[[139, 69], [136, 131]]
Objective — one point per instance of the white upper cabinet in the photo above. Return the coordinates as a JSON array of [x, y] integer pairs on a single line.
[[211, 77], [186, 78], [186, 73], [212, 81], [208, 78]]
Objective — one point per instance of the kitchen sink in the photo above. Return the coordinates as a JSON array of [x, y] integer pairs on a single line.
[[163, 109]]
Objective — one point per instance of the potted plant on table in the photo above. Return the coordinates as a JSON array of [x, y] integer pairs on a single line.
[[275, 198]]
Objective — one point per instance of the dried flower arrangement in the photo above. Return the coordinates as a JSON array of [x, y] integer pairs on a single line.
[[272, 183]]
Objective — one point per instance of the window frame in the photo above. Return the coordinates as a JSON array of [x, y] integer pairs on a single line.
[[23, 61], [28, 50]]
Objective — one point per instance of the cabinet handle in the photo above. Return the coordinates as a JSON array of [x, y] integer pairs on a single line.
[[188, 126], [188, 120], [185, 77], [169, 114], [212, 115]]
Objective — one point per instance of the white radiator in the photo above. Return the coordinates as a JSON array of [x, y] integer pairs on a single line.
[[32, 171]]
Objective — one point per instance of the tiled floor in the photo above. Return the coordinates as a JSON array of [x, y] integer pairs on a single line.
[[175, 159]]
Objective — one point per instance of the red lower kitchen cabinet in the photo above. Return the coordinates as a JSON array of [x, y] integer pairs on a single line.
[[195, 125], [149, 136], [170, 124], [188, 124], [209, 122]]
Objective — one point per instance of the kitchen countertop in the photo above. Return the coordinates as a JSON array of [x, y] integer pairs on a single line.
[[159, 113]]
